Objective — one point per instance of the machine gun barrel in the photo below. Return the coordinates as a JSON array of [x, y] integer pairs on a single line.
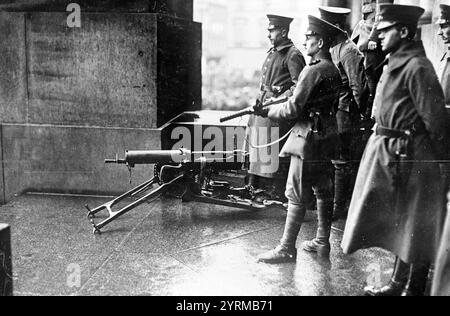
[[144, 157]]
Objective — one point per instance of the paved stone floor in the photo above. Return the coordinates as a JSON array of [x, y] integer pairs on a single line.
[[167, 247]]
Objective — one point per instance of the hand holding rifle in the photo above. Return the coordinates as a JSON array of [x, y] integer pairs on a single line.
[[258, 109]]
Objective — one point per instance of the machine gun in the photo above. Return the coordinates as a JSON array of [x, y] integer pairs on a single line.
[[185, 171]]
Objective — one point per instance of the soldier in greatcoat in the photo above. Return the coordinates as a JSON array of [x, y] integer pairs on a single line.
[[398, 201], [279, 75], [441, 282]]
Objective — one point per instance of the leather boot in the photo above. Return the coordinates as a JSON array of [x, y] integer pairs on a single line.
[[286, 251], [417, 281], [340, 192], [321, 244], [397, 283], [278, 255]]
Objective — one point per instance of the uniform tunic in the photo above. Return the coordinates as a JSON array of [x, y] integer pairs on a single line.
[[280, 74], [350, 63], [407, 219], [317, 91], [364, 33]]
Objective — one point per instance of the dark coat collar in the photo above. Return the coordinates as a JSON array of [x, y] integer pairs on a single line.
[[286, 44], [405, 53], [322, 55]]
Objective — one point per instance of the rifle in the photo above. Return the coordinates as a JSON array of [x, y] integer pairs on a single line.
[[192, 172], [251, 110]]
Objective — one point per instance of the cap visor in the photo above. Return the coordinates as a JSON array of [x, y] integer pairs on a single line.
[[385, 24]]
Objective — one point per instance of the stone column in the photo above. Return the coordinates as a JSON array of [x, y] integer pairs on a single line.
[[73, 96], [428, 5]]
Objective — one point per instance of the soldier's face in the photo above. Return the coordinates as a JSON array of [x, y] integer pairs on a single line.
[[275, 36], [444, 33], [391, 39], [312, 45]]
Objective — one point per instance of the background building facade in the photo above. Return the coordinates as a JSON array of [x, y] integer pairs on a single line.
[[235, 41]]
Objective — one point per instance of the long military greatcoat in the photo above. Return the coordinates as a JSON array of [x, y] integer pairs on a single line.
[[406, 219], [280, 73], [441, 283]]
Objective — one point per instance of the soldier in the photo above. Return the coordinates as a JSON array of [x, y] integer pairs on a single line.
[[441, 283], [444, 33], [397, 203], [280, 73], [366, 37], [311, 145], [350, 62]]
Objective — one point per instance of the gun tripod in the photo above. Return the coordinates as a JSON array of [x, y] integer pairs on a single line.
[[196, 185]]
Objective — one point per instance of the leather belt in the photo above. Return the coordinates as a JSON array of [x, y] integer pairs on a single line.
[[276, 90], [393, 133]]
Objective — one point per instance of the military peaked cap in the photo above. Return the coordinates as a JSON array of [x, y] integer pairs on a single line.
[[394, 14], [334, 15], [445, 14], [276, 21], [321, 27]]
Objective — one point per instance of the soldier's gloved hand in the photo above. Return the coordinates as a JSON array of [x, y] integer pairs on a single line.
[[260, 110], [372, 45]]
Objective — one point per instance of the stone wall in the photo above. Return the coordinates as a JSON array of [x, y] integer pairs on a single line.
[[177, 8]]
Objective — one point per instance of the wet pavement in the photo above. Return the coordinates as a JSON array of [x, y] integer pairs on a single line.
[[167, 247]]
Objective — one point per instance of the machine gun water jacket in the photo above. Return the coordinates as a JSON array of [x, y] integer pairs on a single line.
[[399, 206], [280, 74]]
